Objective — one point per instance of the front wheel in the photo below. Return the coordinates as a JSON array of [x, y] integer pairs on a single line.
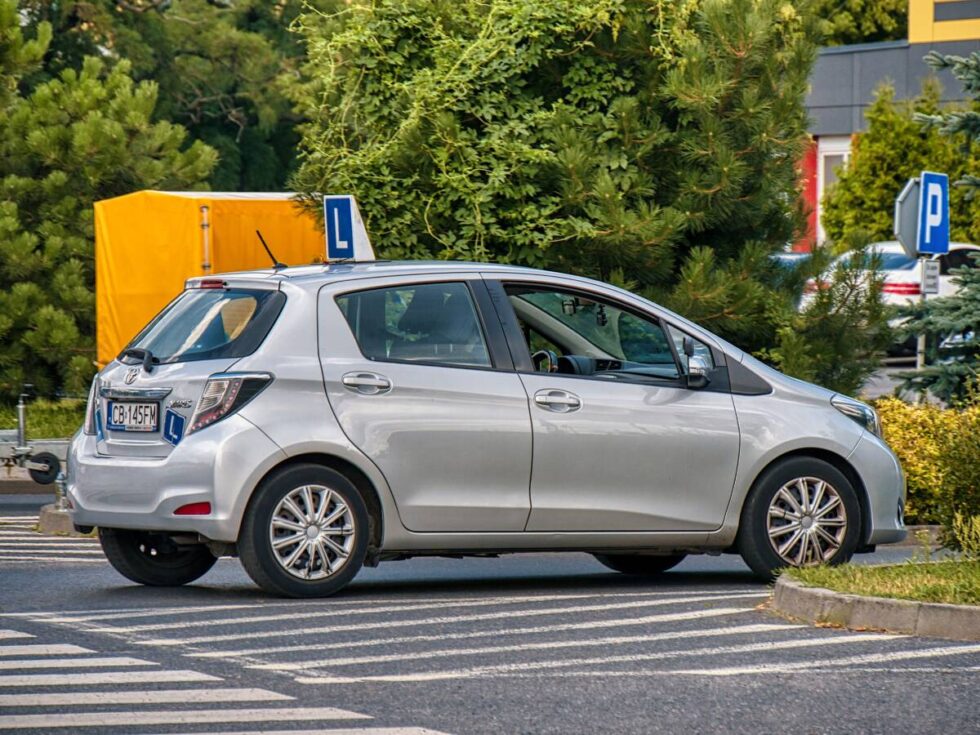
[[640, 564], [305, 532], [154, 559], [801, 512]]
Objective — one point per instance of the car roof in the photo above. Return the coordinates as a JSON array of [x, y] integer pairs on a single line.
[[320, 273], [894, 246]]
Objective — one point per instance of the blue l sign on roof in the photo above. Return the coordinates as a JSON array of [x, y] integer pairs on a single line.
[[347, 238], [932, 233], [339, 219]]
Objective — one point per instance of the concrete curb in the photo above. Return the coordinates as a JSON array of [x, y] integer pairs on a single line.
[[817, 605]]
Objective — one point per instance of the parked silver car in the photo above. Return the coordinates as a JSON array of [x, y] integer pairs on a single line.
[[319, 418]]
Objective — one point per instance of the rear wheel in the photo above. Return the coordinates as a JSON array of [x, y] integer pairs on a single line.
[[640, 564], [801, 512], [305, 533], [154, 559]]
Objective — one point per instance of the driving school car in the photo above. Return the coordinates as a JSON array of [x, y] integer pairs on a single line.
[[314, 419]]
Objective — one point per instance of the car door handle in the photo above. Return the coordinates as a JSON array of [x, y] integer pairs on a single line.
[[368, 384], [557, 400]]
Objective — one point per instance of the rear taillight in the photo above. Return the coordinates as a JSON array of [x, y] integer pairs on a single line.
[[901, 289], [224, 394], [93, 393]]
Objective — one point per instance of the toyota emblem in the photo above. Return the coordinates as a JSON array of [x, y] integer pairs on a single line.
[[131, 376]]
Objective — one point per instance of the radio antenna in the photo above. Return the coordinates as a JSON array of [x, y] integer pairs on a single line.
[[276, 265]]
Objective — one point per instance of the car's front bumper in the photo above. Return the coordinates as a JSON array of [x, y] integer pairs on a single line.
[[884, 482], [220, 465]]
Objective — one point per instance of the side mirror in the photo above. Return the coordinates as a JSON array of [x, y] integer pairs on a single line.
[[697, 372]]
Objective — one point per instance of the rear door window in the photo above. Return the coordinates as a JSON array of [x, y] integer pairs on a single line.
[[210, 324], [434, 323]]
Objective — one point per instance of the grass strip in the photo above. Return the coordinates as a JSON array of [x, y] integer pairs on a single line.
[[953, 582]]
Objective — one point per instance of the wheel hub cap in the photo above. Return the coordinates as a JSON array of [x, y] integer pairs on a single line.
[[312, 532], [806, 522]]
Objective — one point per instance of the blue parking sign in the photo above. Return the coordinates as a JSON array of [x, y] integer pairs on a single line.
[[932, 232], [173, 427], [339, 219]]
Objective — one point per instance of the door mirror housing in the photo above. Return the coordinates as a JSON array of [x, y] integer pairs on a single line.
[[697, 372]]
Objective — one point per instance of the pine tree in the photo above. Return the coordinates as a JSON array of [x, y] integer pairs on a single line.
[[216, 64], [955, 319], [81, 136], [863, 21]]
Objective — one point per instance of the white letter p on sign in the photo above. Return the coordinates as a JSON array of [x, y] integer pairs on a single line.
[[934, 208]]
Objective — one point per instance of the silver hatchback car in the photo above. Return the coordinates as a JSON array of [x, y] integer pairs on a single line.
[[315, 419]]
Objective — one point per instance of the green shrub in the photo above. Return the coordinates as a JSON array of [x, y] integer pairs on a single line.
[[939, 449], [46, 419]]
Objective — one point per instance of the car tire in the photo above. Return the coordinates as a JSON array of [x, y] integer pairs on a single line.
[[154, 559], [646, 565], [288, 543], [778, 530]]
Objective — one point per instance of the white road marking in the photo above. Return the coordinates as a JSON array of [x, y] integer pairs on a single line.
[[329, 663], [525, 666], [6, 634], [366, 611], [162, 696], [870, 658], [442, 620], [42, 548], [106, 677], [61, 649], [555, 628], [175, 717], [81, 616], [7, 534], [331, 731], [52, 559], [74, 663]]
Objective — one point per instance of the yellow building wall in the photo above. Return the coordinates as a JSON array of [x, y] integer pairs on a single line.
[[149, 242], [923, 28]]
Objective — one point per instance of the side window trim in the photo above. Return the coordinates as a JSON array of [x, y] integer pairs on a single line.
[[473, 288]]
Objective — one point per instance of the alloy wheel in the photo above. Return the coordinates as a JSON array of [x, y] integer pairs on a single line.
[[312, 532], [806, 521]]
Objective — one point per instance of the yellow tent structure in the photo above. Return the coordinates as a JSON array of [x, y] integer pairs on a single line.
[[149, 242]]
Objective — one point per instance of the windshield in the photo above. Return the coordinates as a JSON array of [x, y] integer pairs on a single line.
[[208, 324]]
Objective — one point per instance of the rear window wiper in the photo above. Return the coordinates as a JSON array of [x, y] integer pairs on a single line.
[[142, 354]]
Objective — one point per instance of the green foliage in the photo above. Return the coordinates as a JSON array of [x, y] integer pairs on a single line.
[[653, 141], [955, 370], [81, 136], [894, 148], [862, 21], [216, 64]]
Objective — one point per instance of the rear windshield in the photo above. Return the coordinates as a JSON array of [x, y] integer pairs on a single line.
[[209, 324]]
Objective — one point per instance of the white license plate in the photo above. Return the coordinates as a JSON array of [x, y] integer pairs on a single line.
[[126, 416]]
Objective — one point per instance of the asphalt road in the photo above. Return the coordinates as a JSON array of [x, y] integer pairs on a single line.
[[540, 643]]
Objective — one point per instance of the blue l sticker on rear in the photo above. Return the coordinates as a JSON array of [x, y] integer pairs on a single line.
[[173, 427]]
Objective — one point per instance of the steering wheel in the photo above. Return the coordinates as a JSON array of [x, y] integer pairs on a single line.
[[546, 357]]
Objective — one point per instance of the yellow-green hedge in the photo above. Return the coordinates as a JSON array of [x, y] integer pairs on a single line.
[[940, 452]]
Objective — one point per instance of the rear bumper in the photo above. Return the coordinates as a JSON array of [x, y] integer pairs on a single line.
[[885, 484], [220, 465]]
